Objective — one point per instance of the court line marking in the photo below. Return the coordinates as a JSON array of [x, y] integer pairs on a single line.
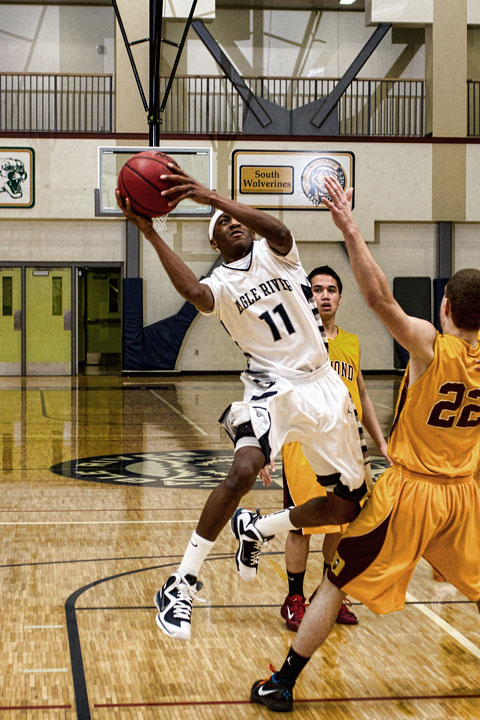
[[75, 647], [184, 417], [35, 707], [270, 508], [102, 522], [311, 700], [455, 634]]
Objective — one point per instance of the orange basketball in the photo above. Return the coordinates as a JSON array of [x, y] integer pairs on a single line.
[[139, 180]]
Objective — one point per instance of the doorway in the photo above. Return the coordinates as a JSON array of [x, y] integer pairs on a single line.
[[99, 320], [60, 319], [48, 321], [11, 320]]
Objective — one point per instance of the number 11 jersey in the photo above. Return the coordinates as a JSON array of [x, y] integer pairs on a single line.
[[262, 301]]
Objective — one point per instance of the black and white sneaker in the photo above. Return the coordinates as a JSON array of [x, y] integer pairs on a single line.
[[250, 541], [272, 693], [174, 603]]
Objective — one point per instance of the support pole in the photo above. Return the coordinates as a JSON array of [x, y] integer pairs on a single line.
[[156, 17]]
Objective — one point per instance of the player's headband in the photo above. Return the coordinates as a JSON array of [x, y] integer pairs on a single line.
[[213, 222]]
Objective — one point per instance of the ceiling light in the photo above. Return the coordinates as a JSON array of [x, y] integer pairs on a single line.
[[347, 2]]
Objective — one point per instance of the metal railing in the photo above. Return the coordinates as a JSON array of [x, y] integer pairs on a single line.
[[206, 104], [43, 102], [473, 107], [369, 107]]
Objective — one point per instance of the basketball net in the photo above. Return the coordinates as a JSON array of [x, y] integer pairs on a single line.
[[160, 223]]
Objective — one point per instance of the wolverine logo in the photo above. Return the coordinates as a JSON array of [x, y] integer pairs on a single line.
[[12, 175], [313, 178]]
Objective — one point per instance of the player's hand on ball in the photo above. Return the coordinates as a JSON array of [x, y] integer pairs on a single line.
[[185, 187], [142, 223]]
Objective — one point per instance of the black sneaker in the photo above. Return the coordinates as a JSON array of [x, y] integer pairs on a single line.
[[272, 693], [250, 541], [174, 603]]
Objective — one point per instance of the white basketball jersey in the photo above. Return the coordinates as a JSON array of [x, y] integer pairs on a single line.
[[262, 302]]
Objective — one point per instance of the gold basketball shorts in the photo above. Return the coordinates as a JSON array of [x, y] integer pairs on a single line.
[[407, 517]]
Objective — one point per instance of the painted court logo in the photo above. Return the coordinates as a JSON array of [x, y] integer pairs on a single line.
[[196, 469]]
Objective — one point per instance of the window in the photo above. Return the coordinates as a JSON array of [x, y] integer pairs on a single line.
[[57, 295], [7, 302], [113, 295]]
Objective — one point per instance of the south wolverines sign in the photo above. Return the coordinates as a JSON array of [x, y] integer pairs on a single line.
[[266, 179], [293, 180]]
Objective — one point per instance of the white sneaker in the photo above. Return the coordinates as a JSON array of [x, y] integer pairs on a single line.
[[174, 603], [250, 542]]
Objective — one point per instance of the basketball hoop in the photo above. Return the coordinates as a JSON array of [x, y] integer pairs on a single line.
[[160, 223]]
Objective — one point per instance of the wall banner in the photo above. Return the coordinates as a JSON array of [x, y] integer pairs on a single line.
[[17, 177], [290, 179]]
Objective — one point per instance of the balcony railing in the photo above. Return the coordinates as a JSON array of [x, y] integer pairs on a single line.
[[473, 107], [42, 102], [369, 107], [201, 104]]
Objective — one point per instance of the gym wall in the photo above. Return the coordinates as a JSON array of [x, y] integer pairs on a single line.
[[393, 180]]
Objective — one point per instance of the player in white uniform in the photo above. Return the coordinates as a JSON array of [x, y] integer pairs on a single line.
[[262, 296]]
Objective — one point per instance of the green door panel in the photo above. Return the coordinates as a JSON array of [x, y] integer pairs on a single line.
[[48, 343], [10, 321]]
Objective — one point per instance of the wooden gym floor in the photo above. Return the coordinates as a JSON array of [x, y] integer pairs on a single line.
[[102, 482]]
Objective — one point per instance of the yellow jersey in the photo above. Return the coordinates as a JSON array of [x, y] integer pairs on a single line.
[[344, 356], [436, 430]]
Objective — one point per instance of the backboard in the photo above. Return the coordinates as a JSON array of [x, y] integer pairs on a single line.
[[195, 161]]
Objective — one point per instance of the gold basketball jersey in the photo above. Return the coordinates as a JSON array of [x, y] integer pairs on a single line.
[[344, 355], [436, 430]]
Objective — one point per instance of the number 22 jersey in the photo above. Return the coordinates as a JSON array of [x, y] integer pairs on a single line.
[[436, 430], [262, 301]]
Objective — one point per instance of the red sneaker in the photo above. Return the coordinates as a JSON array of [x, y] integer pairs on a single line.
[[293, 610], [346, 616]]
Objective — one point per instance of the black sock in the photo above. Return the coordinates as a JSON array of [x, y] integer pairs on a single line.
[[291, 668], [295, 583]]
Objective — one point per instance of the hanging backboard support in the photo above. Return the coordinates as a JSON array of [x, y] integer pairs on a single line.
[[196, 162]]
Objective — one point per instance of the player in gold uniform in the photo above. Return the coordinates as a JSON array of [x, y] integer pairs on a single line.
[[428, 503], [300, 482]]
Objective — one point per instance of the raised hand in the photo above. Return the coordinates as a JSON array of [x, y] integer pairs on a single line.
[[340, 204]]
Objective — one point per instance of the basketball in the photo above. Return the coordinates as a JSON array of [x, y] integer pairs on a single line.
[[139, 180]]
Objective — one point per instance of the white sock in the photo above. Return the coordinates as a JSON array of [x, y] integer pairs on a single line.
[[274, 523], [196, 552]]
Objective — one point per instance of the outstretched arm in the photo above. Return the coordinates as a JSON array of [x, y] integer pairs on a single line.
[[276, 234], [416, 335], [183, 279]]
